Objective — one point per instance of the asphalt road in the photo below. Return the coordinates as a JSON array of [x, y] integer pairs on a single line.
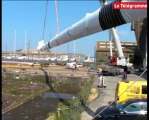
[[106, 94]]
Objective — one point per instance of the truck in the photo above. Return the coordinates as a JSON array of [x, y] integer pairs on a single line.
[[109, 70], [130, 90], [72, 65], [119, 60]]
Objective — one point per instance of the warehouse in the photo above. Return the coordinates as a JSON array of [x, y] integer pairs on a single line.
[[129, 49]]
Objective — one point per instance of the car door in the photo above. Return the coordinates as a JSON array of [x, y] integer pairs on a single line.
[[134, 111]]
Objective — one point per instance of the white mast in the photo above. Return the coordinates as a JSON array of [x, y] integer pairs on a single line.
[[57, 21], [15, 43], [25, 41], [74, 48]]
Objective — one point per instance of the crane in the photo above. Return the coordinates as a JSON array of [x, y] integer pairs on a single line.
[[114, 60], [120, 60], [102, 19]]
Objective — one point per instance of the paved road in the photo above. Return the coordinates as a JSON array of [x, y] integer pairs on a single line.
[[106, 94]]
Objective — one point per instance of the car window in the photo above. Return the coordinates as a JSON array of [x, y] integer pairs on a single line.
[[144, 89], [136, 107], [144, 106], [120, 106]]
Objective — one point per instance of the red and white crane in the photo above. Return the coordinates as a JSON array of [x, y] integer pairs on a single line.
[[119, 60], [102, 19]]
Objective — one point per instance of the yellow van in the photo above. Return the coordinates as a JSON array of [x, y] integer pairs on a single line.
[[135, 90]]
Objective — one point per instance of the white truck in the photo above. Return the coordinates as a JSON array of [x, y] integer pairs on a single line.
[[72, 65]]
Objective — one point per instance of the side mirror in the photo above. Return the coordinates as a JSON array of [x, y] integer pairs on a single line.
[[123, 112]]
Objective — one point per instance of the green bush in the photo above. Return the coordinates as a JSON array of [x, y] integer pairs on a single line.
[[72, 110]]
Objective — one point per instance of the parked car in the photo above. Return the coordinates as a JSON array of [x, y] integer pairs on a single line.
[[52, 64], [134, 109], [79, 64]]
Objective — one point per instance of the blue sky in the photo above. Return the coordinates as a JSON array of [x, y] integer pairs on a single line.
[[29, 16]]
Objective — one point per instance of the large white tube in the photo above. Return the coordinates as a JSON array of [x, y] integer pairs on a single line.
[[104, 18], [86, 26], [111, 53], [117, 42]]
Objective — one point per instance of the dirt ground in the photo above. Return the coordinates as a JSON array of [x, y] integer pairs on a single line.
[[16, 91]]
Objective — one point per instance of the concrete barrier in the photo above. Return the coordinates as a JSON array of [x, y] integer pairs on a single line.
[[49, 78]]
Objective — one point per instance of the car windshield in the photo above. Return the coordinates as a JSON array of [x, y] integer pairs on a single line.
[[120, 106]]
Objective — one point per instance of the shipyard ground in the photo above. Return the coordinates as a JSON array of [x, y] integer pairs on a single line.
[[98, 96]]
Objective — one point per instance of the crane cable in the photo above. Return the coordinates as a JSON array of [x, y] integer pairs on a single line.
[[45, 20], [58, 27]]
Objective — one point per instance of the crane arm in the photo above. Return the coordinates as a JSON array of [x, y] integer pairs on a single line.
[[115, 36], [117, 42], [102, 19]]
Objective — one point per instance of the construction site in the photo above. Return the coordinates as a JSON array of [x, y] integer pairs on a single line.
[[41, 85]]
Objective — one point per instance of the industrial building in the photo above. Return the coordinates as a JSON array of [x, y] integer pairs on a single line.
[[130, 50]]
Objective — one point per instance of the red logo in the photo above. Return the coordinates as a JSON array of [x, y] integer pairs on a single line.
[[130, 5]]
